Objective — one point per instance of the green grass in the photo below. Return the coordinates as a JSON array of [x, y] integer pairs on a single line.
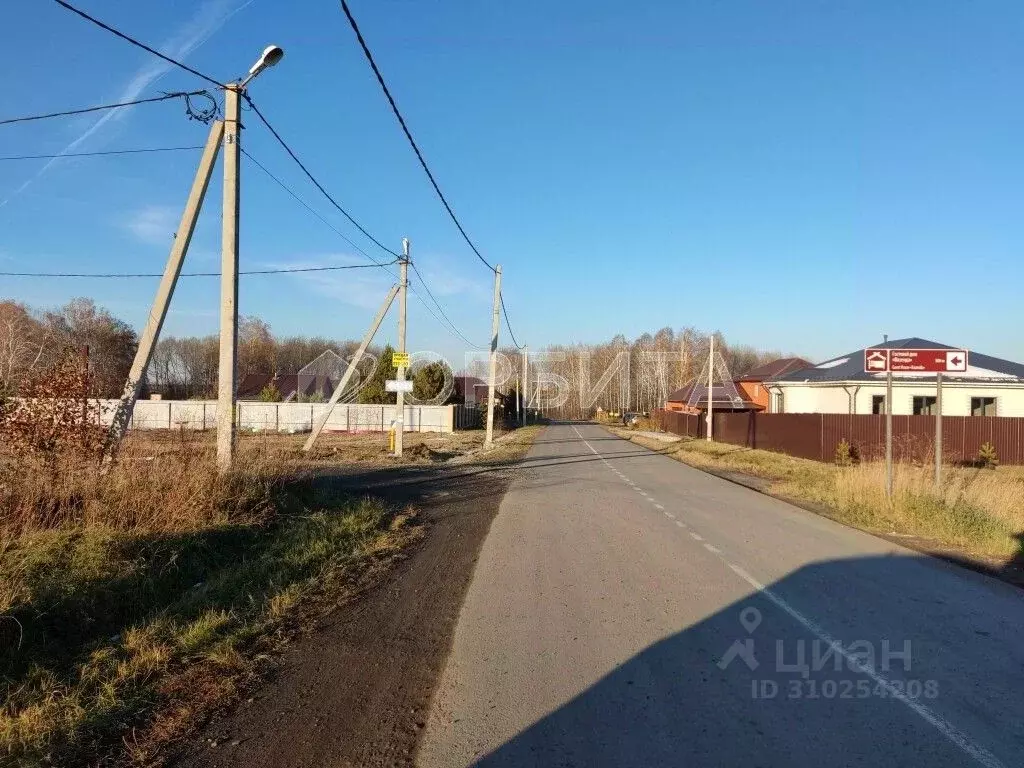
[[111, 638]]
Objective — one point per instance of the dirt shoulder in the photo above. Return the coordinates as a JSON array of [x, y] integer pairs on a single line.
[[769, 474], [357, 690]]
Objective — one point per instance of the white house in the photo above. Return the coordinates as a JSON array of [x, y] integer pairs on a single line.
[[989, 387]]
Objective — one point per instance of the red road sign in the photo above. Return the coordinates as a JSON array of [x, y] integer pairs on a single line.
[[915, 360]]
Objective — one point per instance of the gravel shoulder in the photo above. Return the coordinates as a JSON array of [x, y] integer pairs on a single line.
[[356, 691]]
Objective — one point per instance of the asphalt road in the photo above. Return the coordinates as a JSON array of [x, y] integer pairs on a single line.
[[628, 610]]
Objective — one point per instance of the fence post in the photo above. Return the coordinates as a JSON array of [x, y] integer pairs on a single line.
[[169, 414]]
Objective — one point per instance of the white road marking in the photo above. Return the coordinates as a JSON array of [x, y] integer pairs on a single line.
[[710, 548], [659, 506], [943, 726]]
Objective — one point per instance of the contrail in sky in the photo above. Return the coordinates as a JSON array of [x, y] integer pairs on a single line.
[[200, 28]]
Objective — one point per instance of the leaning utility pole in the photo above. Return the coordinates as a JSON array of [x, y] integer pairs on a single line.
[[228, 282], [489, 438], [157, 315], [319, 424], [403, 293], [711, 384]]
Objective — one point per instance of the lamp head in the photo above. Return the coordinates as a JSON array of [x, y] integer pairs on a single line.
[[270, 56]]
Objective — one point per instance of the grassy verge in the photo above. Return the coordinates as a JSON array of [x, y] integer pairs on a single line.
[[134, 603], [976, 511]]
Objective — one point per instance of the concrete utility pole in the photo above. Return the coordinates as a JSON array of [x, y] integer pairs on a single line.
[[711, 382], [317, 428], [402, 295], [157, 315], [489, 438], [228, 361], [229, 282], [526, 378]]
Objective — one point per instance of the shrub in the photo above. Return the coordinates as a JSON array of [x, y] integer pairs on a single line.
[[54, 418], [844, 455], [270, 394], [988, 457]]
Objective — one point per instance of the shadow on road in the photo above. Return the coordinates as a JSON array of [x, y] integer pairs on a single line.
[[728, 691]]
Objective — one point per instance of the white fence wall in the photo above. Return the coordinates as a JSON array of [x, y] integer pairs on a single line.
[[283, 417]]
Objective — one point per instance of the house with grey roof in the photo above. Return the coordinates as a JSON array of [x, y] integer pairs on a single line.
[[990, 386]]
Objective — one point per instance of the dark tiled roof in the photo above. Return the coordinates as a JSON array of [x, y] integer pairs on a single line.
[[850, 367], [775, 369], [252, 384], [721, 398]]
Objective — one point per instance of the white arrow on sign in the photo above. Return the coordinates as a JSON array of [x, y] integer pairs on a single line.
[[394, 385]]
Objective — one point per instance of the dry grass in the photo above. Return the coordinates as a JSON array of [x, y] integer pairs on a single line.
[[978, 511], [134, 601]]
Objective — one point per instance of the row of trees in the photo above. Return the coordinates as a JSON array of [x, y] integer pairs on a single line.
[[574, 379], [622, 375], [32, 341], [186, 367]]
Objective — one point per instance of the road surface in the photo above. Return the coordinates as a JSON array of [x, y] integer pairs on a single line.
[[629, 610]]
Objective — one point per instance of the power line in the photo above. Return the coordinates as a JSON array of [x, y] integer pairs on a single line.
[[445, 323], [312, 178], [138, 44], [501, 298], [308, 207], [97, 154], [405, 129], [165, 97], [190, 274], [440, 309]]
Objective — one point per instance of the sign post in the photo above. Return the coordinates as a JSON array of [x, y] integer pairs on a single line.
[[937, 361], [938, 431], [888, 434]]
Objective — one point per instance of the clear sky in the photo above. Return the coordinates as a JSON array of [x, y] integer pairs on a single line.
[[803, 175]]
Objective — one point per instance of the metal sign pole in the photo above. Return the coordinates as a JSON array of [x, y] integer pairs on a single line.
[[888, 434], [938, 431]]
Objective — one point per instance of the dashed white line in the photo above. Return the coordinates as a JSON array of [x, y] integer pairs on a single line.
[[659, 506], [943, 726], [710, 548]]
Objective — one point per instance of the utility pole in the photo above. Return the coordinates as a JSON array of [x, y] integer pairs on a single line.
[[711, 382], [229, 282], [489, 437], [526, 378], [151, 333], [403, 293]]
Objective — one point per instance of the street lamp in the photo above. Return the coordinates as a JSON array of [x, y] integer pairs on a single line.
[[226, 383], [270, 56]]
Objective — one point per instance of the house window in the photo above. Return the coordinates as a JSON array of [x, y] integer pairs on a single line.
[[924, 405], [983, 406], [877, 404]]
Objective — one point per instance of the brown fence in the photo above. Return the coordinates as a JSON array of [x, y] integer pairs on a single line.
[[816, 435]]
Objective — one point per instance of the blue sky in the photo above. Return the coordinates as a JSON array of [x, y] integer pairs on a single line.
[[803, 176]]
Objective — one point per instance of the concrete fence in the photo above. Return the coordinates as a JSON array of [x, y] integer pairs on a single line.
[[286, 417]]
